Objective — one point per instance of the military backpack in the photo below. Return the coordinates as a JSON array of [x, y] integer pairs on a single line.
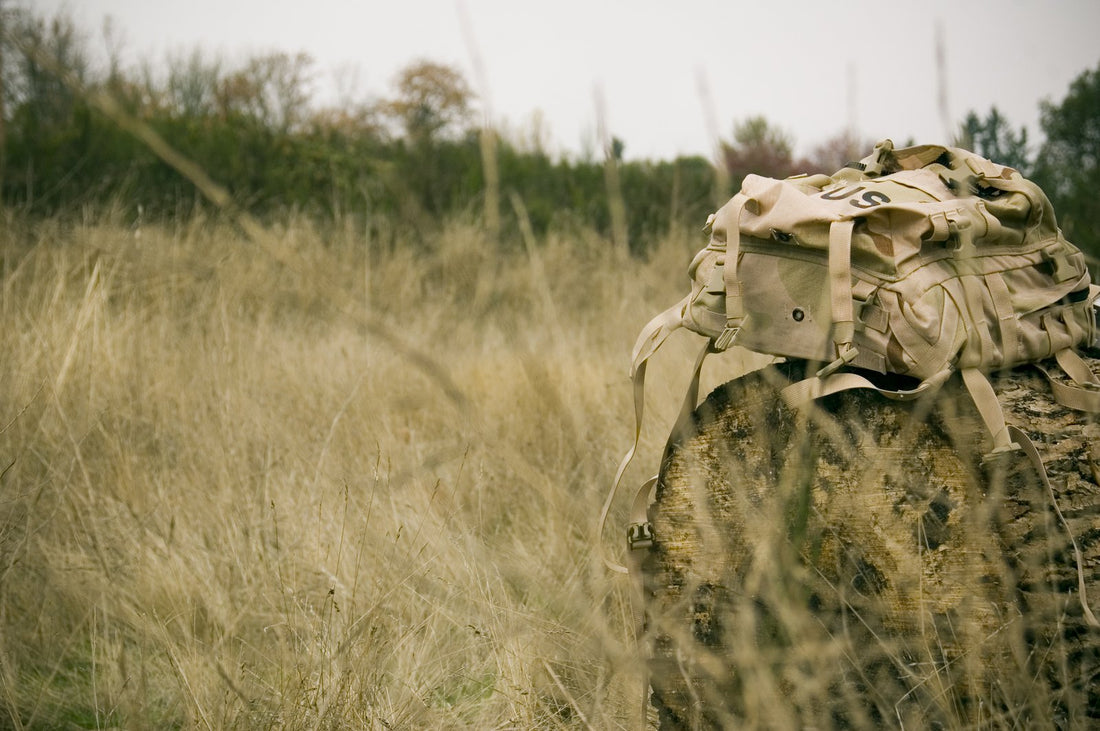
[[892, 273]]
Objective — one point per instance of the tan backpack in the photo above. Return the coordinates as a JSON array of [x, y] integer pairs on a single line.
[[913, 264]]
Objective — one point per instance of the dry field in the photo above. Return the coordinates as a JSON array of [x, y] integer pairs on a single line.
[[324, 477], [319, 480]]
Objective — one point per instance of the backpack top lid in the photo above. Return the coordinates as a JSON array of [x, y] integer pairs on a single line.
[[907, 205], [911, 260]]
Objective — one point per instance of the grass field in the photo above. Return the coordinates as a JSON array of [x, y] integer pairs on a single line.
[[318, 480]]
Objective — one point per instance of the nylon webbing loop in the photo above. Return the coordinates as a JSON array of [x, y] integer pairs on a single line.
[[1006, 317], [840, 295], [840, 282], [989, 407], [972, 291], [1076, 368], [729, 217]]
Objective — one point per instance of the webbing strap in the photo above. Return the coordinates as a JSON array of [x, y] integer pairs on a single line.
[[840, 295], [635, 555], [924, 354], [639, 515], [985, 398], [1032, 453], [649, 340], [640, 535], [640, 532], [639, 407], [691, 398], [981, 392], [1084, 393], [972, 290], [656, 332], [803, 392], [735, 306], [1006, 317], [1076, 368], [840, 283]]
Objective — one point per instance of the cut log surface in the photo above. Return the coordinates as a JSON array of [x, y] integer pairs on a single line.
[[859, 564]]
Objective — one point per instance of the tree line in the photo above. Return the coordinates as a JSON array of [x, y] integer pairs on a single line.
[[413, 159]]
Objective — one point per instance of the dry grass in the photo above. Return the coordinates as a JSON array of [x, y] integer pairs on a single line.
[[228, 504], [319, 480]]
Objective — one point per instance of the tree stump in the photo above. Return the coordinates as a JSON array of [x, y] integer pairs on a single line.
[[859, 565]]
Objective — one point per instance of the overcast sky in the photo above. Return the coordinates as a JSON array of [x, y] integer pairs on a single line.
[[670, 74]]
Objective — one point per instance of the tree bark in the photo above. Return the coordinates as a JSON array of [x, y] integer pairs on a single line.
[[859, 564]]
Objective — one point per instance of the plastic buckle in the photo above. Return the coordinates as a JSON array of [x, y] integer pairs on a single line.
[[998, 455], [845, 358], [727, 337], [639, 535]]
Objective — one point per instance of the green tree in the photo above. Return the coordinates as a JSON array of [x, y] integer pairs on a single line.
[[272, 89], [191, 88], [993, 137], [432, 100], [1068, 165], [48, 124]]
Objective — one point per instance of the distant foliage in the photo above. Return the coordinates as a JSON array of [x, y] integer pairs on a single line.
[[838, 151], [1068, 165], [432, 99], [994, 138], [402, 163], [761, 148]]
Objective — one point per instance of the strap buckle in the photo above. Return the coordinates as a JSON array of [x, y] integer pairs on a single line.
[[847, 355], [727, 337], [639, 535]]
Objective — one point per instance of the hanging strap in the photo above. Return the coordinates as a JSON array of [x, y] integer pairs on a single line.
[[656, 331], [639, 532], [639, 536], [1032, 453], [989, 407], [651, 338], [639, 541]]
